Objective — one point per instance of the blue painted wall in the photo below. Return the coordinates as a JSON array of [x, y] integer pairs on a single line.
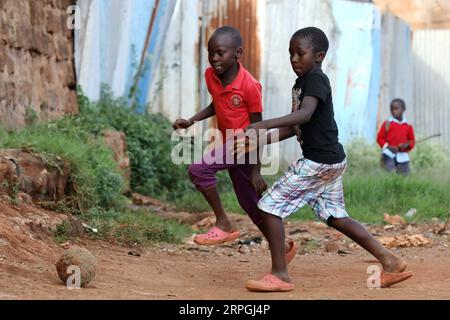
[[358, 76]]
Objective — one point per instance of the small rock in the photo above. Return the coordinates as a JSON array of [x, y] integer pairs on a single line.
[[265, 245], [134, 253], [65, 245], [298, 231], [76, 227], [332, 246], [394, 219], [25, 198], [304, 237], [244, 249], [319, 225]]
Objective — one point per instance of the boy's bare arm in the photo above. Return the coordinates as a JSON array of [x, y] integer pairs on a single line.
[[255, 118], [256, 179], [283, 134], [206, 113], [272, 137], [299, 117]]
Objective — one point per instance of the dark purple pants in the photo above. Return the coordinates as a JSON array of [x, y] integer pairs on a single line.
[[203, 176]]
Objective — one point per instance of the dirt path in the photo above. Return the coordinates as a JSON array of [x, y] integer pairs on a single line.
[[171, 272], [328, 266]]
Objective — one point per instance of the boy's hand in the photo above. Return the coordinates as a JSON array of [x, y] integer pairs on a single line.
[[181, 124], [298, 133], [257, 181], [242, 146], [403, 146]]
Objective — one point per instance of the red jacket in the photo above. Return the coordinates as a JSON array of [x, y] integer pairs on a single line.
[[397, 134]]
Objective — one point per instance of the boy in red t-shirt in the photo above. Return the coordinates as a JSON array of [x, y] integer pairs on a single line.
[[237, 102], [396, 138]]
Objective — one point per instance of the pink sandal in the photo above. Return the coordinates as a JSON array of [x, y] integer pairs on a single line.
[[215, 236], [269, 283], [290, 255], [388, 279]]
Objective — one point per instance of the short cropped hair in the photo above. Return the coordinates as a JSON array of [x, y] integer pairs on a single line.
[[318, 38], [401, 101], [233, 32]]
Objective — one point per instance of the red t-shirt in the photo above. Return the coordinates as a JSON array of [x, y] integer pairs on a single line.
[[397, 134], [235, 102]]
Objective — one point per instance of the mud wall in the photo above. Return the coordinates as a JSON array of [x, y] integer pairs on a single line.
[[37, 76]]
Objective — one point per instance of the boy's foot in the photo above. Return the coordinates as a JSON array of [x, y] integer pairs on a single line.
[[388, 279], [269, 283], [393, 271], [225, 225], [394, 264], [215, 236]]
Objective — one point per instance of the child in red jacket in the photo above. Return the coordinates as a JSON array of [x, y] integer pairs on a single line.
[[396, 138]]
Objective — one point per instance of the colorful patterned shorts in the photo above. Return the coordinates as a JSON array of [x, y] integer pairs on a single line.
[[308, 182]]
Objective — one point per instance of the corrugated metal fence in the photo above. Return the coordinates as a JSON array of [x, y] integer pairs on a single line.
[[371, 59], [416, 68], [352, 63], [396, 65], [430, 109]]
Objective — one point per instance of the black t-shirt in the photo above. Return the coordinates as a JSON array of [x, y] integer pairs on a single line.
[[320, 134]]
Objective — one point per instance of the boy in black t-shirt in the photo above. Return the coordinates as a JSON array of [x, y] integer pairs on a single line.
[[316, 179]]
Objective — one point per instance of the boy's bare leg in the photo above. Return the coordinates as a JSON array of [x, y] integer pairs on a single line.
[[274, 233], [355, 231], [222, 222], [263, 228]]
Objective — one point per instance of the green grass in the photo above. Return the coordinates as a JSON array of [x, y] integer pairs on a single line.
[[96, 183], [368, 197], [62, 232], [135, 227], [369, 191], [94, 174]]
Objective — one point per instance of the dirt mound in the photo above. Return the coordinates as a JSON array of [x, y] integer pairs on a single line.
[[26, 233], [33, 174]]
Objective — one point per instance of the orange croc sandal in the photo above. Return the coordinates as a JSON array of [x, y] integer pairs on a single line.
[[215, 236], [269, 283], [388, 279], [292, 251]]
